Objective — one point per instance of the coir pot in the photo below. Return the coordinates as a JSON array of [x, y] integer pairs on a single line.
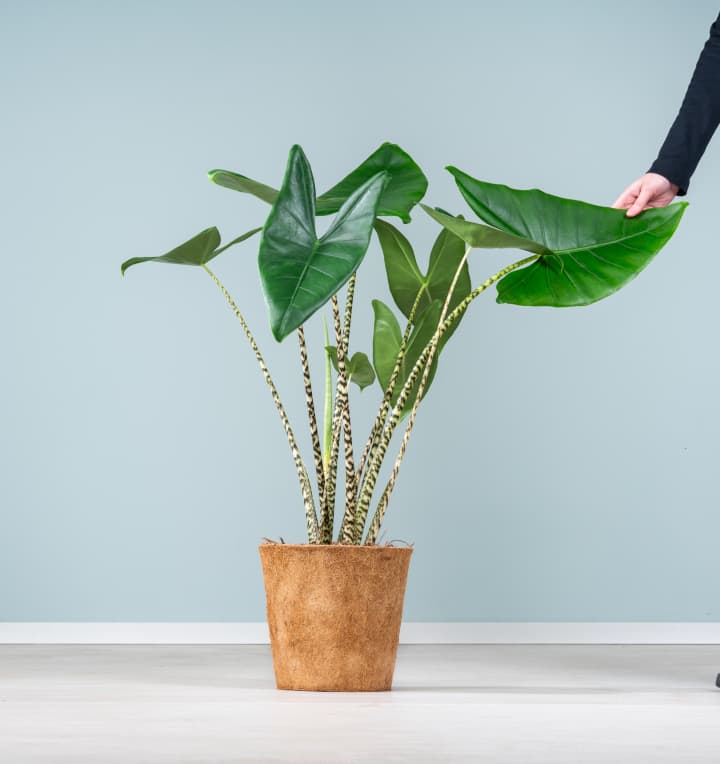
[[334, 613]]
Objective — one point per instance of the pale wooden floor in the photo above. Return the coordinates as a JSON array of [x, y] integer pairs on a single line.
[[462, 703]]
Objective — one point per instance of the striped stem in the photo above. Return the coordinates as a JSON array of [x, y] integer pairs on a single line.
[[327, 414], [434, 342], [346, 535], [338, 420], [312, 418], [374, 438], [309, 501], [374, 468]]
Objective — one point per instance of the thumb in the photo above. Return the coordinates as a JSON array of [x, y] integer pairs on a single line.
[[640, 203]]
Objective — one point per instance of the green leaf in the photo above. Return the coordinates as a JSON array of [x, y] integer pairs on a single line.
[[300, 272], [361, 370], [358, 367], [405, 278], [199, 250], [591, 251], [445, 257], [406, 185], [483, 236], [387, 338], [242, 183]]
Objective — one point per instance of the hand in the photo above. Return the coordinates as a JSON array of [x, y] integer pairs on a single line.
[[652, 190]]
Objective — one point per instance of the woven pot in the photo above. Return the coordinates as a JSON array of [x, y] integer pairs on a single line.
[[334, 612]]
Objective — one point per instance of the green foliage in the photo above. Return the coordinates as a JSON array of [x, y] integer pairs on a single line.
[[482, 236], [405, 278], [358, 367], [243, 184], [581, 253], [589, 251], [199, 250], [299, 271], [406, 184], [387, 339]]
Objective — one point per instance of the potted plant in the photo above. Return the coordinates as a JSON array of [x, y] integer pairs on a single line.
[[334, 604]]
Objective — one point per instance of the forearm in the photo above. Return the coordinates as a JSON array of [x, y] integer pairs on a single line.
[[697, 119]]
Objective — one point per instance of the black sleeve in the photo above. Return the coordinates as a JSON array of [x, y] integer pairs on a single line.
[[697, 119]]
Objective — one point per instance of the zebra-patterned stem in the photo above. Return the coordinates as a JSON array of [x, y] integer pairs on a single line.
[[418, 396], [331, 478], [349, 297], [374, 468], [374, 437], [346, 535], [309, 501], [328, 405], [312, 418], [350, 485], [347, 529], [434, 342]]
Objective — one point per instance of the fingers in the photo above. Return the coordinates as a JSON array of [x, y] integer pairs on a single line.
[[651, 190], [628, 196], [641, 202]]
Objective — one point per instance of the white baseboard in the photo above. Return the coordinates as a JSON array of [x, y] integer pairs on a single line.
[[410, 634]]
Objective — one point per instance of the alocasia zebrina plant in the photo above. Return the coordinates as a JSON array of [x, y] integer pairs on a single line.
[[579, 253]]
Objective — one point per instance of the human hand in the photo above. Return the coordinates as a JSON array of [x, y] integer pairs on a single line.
[[651, 190]]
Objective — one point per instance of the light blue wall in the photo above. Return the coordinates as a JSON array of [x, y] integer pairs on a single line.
[[564, 466]]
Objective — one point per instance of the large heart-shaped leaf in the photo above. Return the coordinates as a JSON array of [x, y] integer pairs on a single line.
[[358, 367], [299, 271], [592, 251], [199, 250], [405, 278], [387, 338], [406, 185]]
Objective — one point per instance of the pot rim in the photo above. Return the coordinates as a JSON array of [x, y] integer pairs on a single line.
[[334, 546]]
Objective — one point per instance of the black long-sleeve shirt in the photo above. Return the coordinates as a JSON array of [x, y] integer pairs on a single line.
[[697, 119]]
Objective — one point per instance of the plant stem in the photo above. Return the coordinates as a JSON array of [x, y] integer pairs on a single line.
[[347, 529], [374, 438], [341, 419], [309, 501], [327, 418], [312, 417], [434, 344], [374, 467]]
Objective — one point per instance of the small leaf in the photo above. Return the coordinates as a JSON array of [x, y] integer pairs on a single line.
[[361, 370], [199, 250], [331, 350], [300, 272], [358, 367], [242, 183], [387, 338]]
